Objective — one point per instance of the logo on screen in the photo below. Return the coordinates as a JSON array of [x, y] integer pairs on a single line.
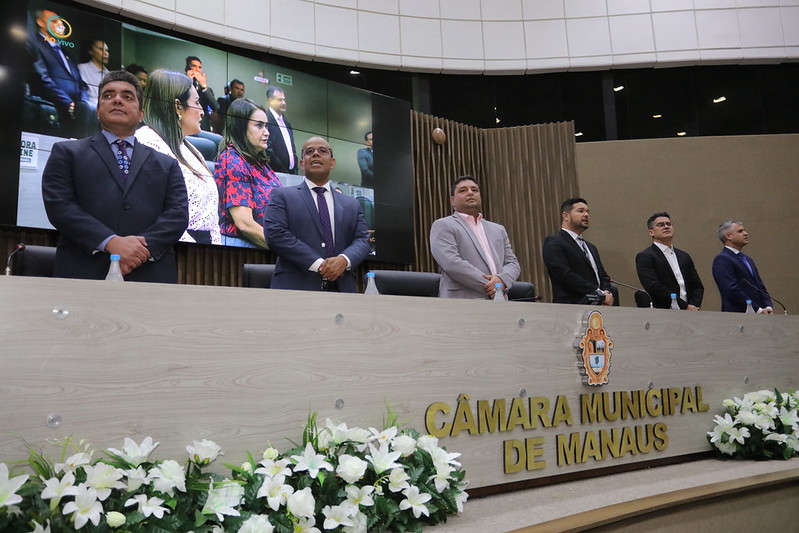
[[59, 29], [593, 349]]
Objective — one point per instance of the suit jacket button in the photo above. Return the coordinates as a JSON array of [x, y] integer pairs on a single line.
[[127, 207]]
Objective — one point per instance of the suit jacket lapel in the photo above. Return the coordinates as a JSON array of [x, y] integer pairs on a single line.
[[577, 249], [106, 153], [140, 155], [660, 257], [472, 236], [310, 203]]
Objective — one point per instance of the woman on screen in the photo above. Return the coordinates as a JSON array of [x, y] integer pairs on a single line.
[[243, 175], [171, 112]]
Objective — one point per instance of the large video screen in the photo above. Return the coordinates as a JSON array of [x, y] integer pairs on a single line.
[[61, 50]]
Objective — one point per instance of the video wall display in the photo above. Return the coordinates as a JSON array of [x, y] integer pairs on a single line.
[[67, 50]]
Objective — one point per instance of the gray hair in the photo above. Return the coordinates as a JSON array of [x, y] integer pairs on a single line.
[[724, 229]]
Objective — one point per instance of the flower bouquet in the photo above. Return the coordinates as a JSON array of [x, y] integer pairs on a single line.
[[339, 479], [761, 425]]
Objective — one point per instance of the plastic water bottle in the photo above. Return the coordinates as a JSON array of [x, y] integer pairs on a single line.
[[674, 304], [499, 294], [114, 272], [749, 308], [371, 286]]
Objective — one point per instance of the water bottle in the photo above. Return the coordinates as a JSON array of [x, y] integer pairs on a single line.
[[499, 294], [674, 304], [114, 272], [371, 286], [749, 308]]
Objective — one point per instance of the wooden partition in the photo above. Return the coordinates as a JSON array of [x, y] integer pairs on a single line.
[[244, 367]]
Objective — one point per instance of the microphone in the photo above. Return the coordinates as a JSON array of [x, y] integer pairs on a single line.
[[636, 289], [766, 293], [19, 248]]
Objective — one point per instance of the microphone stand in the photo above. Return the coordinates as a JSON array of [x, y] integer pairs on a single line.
[[785, 311], [18, 249]]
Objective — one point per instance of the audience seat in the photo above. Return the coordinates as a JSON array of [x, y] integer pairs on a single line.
[[522, 291], [257, 276], [401, 283], [34, 260]]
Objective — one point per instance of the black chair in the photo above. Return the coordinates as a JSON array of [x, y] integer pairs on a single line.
[[401, 283], [257, 276], [522, 291], [642, 299], [34, 260]]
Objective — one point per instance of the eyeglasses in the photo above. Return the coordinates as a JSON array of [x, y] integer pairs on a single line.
[[664, 224], [322, 150]]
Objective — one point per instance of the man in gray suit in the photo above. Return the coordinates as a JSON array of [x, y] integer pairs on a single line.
[[473, 253]]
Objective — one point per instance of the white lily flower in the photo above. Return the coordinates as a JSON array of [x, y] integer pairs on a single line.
[[133, 453], [360, 436], [357, 496], [383, 436], [311, 461], [306, 525], [415, 501], [351, 468], [301, 503], [335, 516], [203, 452], [358, 524], [55, 489], [85, 507], [73, 462], [398, 480], [223, 500], [728, 448], [275, 491], [746, 417], [738, 435], [778, 437], [270, 468], [10, 486], [443, 457], [460, 498], [789, 419], [148, 506], [167, 477], [405, 444], [103, 477], [136, 478], [442, 476], [270, 454], [258, 523], [338, 432], [427, 443], [381, 458]]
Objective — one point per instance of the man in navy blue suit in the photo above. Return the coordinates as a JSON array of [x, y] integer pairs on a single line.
[[55, 75], [105, 197], [736, 274], [319, 235]]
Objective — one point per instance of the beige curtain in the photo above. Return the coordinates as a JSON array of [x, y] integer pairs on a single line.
[[524, 173]]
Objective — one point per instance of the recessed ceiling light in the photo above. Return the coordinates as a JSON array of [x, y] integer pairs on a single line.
[[578, 134], [681, 134], [719, 100], [355, 72], [619, 88], [657, 116]]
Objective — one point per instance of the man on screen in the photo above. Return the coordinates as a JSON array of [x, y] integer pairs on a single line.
[[573, 264], [473, 253], [735, 273], [366, 162], [319, 236], [108, 194], [665, 270], [282, 152], [194, 70]]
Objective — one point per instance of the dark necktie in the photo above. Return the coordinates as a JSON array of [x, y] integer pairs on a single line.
[[746, 262], [588, 257], [324, 218], [122, 156]]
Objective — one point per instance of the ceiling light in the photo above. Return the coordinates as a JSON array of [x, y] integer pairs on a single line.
[[497, 120], [619, 88], [578, 134], [355, 72], [719, 100], [681, 134], [657, 116]]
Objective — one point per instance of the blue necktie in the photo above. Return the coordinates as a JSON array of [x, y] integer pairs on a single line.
[[122, 156], [748, 266], [324, 218]]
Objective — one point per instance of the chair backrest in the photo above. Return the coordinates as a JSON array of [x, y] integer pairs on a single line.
[[642, 299], [522, 291], [401, 283], [34, 260], [257, 276]]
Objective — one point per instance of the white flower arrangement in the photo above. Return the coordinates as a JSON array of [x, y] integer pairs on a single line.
[[338, 479], [761, 425]]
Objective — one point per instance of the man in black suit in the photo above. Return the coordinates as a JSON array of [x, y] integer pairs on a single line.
[[665, 270], [280, 146], [108, 194], [55, 77], [194, 70], [574, 266]]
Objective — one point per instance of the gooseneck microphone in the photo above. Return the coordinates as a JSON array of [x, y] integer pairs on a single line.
[[18, 249], [766, 293], [636, 289]]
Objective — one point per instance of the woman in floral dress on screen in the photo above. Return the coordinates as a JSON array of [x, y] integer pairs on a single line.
[[243, 175]]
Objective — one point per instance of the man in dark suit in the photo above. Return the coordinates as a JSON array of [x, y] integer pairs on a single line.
[[473, 253], [319, 235], [366, 162], [665, 270], [736, 274], [280, 147], [108, 194], [574, 266], [55, 76], [194, 70]]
